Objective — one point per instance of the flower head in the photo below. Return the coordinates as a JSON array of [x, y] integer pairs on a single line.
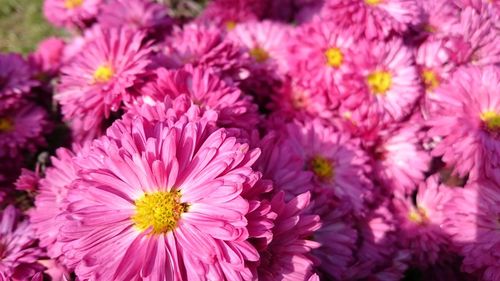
[[71, 13], [15, 80]]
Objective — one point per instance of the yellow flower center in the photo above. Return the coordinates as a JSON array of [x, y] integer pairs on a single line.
[[322, 168], [159, 210], [230, 24], [6, 125], [431, 80], [334, 57], [103, 74], [418, 216], [373, 2], [380, 82], [429, 28], [491, 119], [72, 4], [259, 54]]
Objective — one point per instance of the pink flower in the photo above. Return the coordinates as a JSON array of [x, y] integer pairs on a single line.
[[420, 224], [28, 180], [15, 80], [204, 45], [440, 16], [400, 161], [22, 129], [228, 13], [144, 15], [208, 91], [19, 254], [98, 79], [49, 203], [48, 57], [373, 18], [288, 255], [337, 161], [71, 13], [159, 202], [472, 220], [390, 78], [468, 120]]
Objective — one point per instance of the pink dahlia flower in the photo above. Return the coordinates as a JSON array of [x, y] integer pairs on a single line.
[[468, 120], [392, 84], [288, 255], [48, 57], [400, 161], [71, 13], [22, 129], [49, 201], [19, 254], [160, 202], [98, 79], [321, 52], [475, 39], [373, 18], [337, 161], [15, 80], [204, 45], [209, 92], [420, 224], [472, 220], [145, 15]]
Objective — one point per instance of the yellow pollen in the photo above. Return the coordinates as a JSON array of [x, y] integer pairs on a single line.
[[72, 4], [373, 2], [159, 210], [230, 24], [334, 57], [418, 216], [103, 74], [6, 125], [491, 119], [380, 82], [431, 80], [429, 28], [259, 54], [322, 168]]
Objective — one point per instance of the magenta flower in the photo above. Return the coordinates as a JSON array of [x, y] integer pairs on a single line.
[[288, 255], [19, 253], [98, 79], [228, 13], [71, 13], [48, 57], [23, 129], [144, 15], [468, 120], [160, 202], [16, 80]]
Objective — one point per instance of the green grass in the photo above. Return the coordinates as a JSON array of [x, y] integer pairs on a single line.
[[22, 25]]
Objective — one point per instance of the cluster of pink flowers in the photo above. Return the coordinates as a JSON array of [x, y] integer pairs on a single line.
[[265, 140]]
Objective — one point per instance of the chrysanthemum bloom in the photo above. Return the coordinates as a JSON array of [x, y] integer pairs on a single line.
[[161, 202], [19, 253], [468, 120], [337, 236], [97, 80], [399, 160], [373, 18], [209, 92], [337, 161], [15, 80], [47, 58], [420, 224], [321, 52], [391, 80], [49, 201], [379, 256], [228, 13], [475, 39], [472, 220], [204, 45], [22, 129], [144, 15], [440, 16], [288, 255], [71, 13], [303, 100], [28, 180]]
